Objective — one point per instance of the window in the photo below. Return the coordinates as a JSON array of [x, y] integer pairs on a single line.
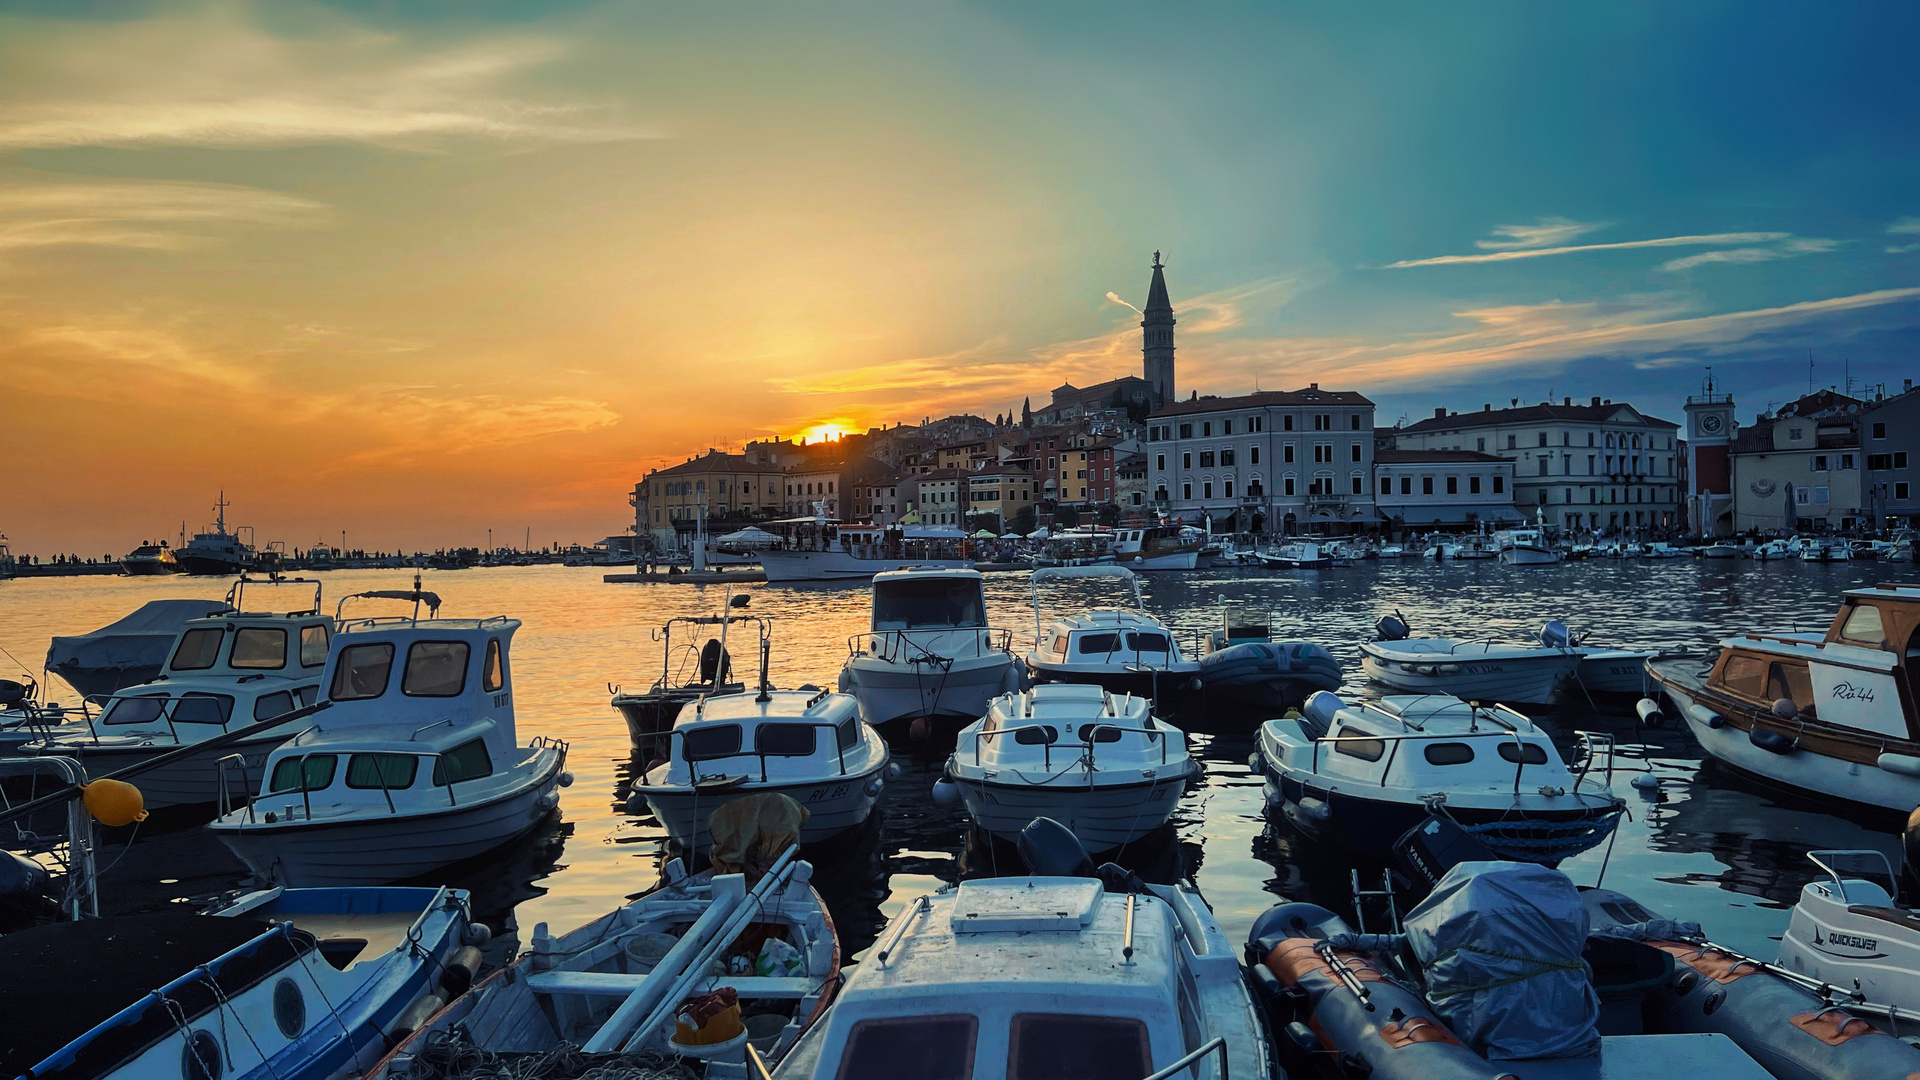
[[1186, 491], [1453, 485], [1148, 643], [1206, 427], [1356, 451], [268, 706], [1792, 682], [1473, 485], [1426, 485], [1286, 454], [1052, 1047], [435, 669], [1356, 421], [1186, 461], [1206, 459], [314, 773], [362, 672], [1525, 753], [926, 1047], [1186, 431], [144, 709], [1745, 675], [1353, 744], [1543, 466], [1794, 433], [1289, 485], [1259, 424], [313, 645], [1358, 485], [259, 647], [1900, 459], [707, 743], [1846, 461], [203, 709], [1900, 490], [1449, 753], [1206, 490], [1286, 423], [1226, 456], [468, 761], [847, 735], [1226, 488], [1566, 438], [198, 650], [1879, 431], [390, 771], [493, 675], [785, 740], [1253, 454], [1480, 445], [1499, 484], [1879, 461], [1863, 625], [1511, 444], [1160, 462], [1543, 438], [1386, 485]]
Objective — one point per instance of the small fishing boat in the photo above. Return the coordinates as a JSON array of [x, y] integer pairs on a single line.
[[1359, 776], [1527, 547], [1063, 973], [1825, 715], [128, 651], [1771, 551], [1124, 649], [809, 745], [416, 765], [686, 673], [1825, 550], [754, 955], [1477, 669], [1721, 549], [930, 653], [1298, 555], [1158, 547], [1097, 762], [284, 984]]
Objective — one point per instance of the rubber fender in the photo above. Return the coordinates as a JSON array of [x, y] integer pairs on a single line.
[[1649, 713], [1707, 716], [415, 1016], [1772, 742], [1783, 1027], [1904, 764], [458, 974]]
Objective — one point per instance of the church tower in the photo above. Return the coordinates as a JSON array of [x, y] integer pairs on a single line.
[[1156, 336]]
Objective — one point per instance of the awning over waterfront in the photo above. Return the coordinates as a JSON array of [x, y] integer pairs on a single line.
[[1455, 515]]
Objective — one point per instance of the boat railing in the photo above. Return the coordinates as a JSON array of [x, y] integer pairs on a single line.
[[1089, 731], [1394, 741], [1825, 857], [79, 896], [892, 645], [693, 766], [1215, 1045]]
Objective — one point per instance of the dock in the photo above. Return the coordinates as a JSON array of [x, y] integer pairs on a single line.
[[688, 577]]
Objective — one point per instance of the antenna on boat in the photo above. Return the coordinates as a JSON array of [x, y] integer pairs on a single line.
[[416, 597], [766, 650]]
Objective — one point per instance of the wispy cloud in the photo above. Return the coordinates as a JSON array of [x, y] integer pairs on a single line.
[[140, 214], [1784, 250], [217, 78], [1708, 239], [1543, 233], [1118, 299], [1906, 226]]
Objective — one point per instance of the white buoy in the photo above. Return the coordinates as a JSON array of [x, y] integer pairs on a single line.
[[1646, 782]]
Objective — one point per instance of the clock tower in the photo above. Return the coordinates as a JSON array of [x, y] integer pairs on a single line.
[[1710, 431]]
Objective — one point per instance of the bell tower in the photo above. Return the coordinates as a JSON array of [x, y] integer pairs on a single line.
[[1156, 336], [1710, 431]]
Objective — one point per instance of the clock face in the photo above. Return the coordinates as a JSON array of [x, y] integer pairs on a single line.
[[1710, 423]]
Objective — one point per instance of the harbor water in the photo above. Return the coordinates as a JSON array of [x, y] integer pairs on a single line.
[[1701, 847]]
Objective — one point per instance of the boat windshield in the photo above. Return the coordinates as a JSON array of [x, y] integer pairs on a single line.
[[933, 603]]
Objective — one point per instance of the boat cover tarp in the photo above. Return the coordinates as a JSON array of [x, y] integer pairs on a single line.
[[127, 652], [750, 833], [1500, 945], [748, 537]]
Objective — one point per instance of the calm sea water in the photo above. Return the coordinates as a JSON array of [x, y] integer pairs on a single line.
[[1702, 849]]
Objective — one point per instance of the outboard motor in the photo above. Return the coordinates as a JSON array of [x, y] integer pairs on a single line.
[[1392, 627], [1555, 635], [1051, 850], [13, 693], [1317, 714]]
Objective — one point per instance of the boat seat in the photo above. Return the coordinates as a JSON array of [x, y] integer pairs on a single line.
[[611, 984], [1900, 917]]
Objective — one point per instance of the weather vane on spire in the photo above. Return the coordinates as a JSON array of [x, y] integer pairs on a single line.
[[1156, 260]]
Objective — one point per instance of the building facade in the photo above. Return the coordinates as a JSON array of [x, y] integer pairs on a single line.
[[1799, 468], [729, 486], [940, 497], [1600, 467], [1002, 490], [1891, 448], [1711, 429], [1443, 490], [1271, 461]]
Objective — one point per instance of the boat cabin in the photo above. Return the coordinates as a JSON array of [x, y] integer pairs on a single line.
[[1068, 718], [755, 738], [928, 599], [1432, 742], [1859, 674], [410, 674], [1105, 637]]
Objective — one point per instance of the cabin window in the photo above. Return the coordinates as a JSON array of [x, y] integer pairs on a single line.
[[1524, 753], [1048, 1047], [259, 647], [362, 672], [435, 669], [1745, 675], [925, 1047], [313, 645], [1363, 748], [308, 694], [707, 743], [144, 709], [391, 771], [928, 603], [847, 733], [1091, 644], [198, 649], [268, 706], [1791, 681], [785, 740], [1449, 753], [468, 761], [1036, 735], [203, 709], [1863, 625], [314, 773], [1148, 643], [1060, 644], [493, 675]]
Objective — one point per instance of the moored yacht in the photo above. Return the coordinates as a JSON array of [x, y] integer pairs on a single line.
[[151, 560], [1829, 715], [930, 653], [858, 552], [414, 766], [218, 552]]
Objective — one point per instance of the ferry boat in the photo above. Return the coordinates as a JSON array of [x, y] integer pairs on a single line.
[[930, 653], [1827, 715], [151, 560], [218, 552], [858, 552], [1158, 547], [414, 766]]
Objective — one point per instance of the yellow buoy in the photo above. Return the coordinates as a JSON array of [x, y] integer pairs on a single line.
[[113, 802]]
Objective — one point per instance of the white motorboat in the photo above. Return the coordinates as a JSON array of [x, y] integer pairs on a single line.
[[1527, 547], [1394, 551], [1661, 550], [930, 653], [1825, 550], [808, 745], [1298, 555], [1827, 715], [1771, 551], [283, 984], [765, 959], [1099, 763], [414, 766], [1474, 669], [224, 674], [1359, 776], [1158, 547], [1043, 976], [1722, 549], [1125, 650], [858, 552], [1850, 934]]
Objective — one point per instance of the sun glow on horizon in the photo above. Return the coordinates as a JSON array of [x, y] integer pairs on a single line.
[[827, 431]]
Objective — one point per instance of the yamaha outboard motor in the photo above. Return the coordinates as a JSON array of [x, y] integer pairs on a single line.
[[1555, 635], [1392, 627], [1317, 714], [1051, 850]]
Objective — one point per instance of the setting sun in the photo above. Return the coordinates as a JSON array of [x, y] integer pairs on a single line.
[[829, 432]]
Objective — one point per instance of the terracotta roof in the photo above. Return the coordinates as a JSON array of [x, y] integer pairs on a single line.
[[1436, 457], [717, 462], [1530, 414], [1307, 397]]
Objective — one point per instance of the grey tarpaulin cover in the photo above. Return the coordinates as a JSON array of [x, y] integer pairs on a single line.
[[127, 652], [1500, 945]]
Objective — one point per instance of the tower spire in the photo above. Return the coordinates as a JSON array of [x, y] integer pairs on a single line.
[[1156, 335]]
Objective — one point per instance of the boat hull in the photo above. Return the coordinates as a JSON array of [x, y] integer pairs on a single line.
[[834, 805], [381, 850], [893, 692], [1177, 560], [1527, 556], [149, 567], [1103, 817], [191, 780], [1529, 680], [840, 566], [210, 565], [1613, 672]]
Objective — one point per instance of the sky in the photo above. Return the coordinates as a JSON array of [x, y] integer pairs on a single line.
[[419, 270]]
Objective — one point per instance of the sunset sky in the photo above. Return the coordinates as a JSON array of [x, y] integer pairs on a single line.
[[418, 270]]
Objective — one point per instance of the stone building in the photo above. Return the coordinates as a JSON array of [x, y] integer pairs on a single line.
[[1891, 447], [1798, 469], [1444, 490]]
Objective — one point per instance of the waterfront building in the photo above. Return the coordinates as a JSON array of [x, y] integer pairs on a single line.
[[1798, 469], [1892, 450], [1272, 461], [1711, 429], [813, 488], [1130, 481], [731, 487], [1001, 490], [1115, 400], [939, 497], [1444, 490], [1603, 466]]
